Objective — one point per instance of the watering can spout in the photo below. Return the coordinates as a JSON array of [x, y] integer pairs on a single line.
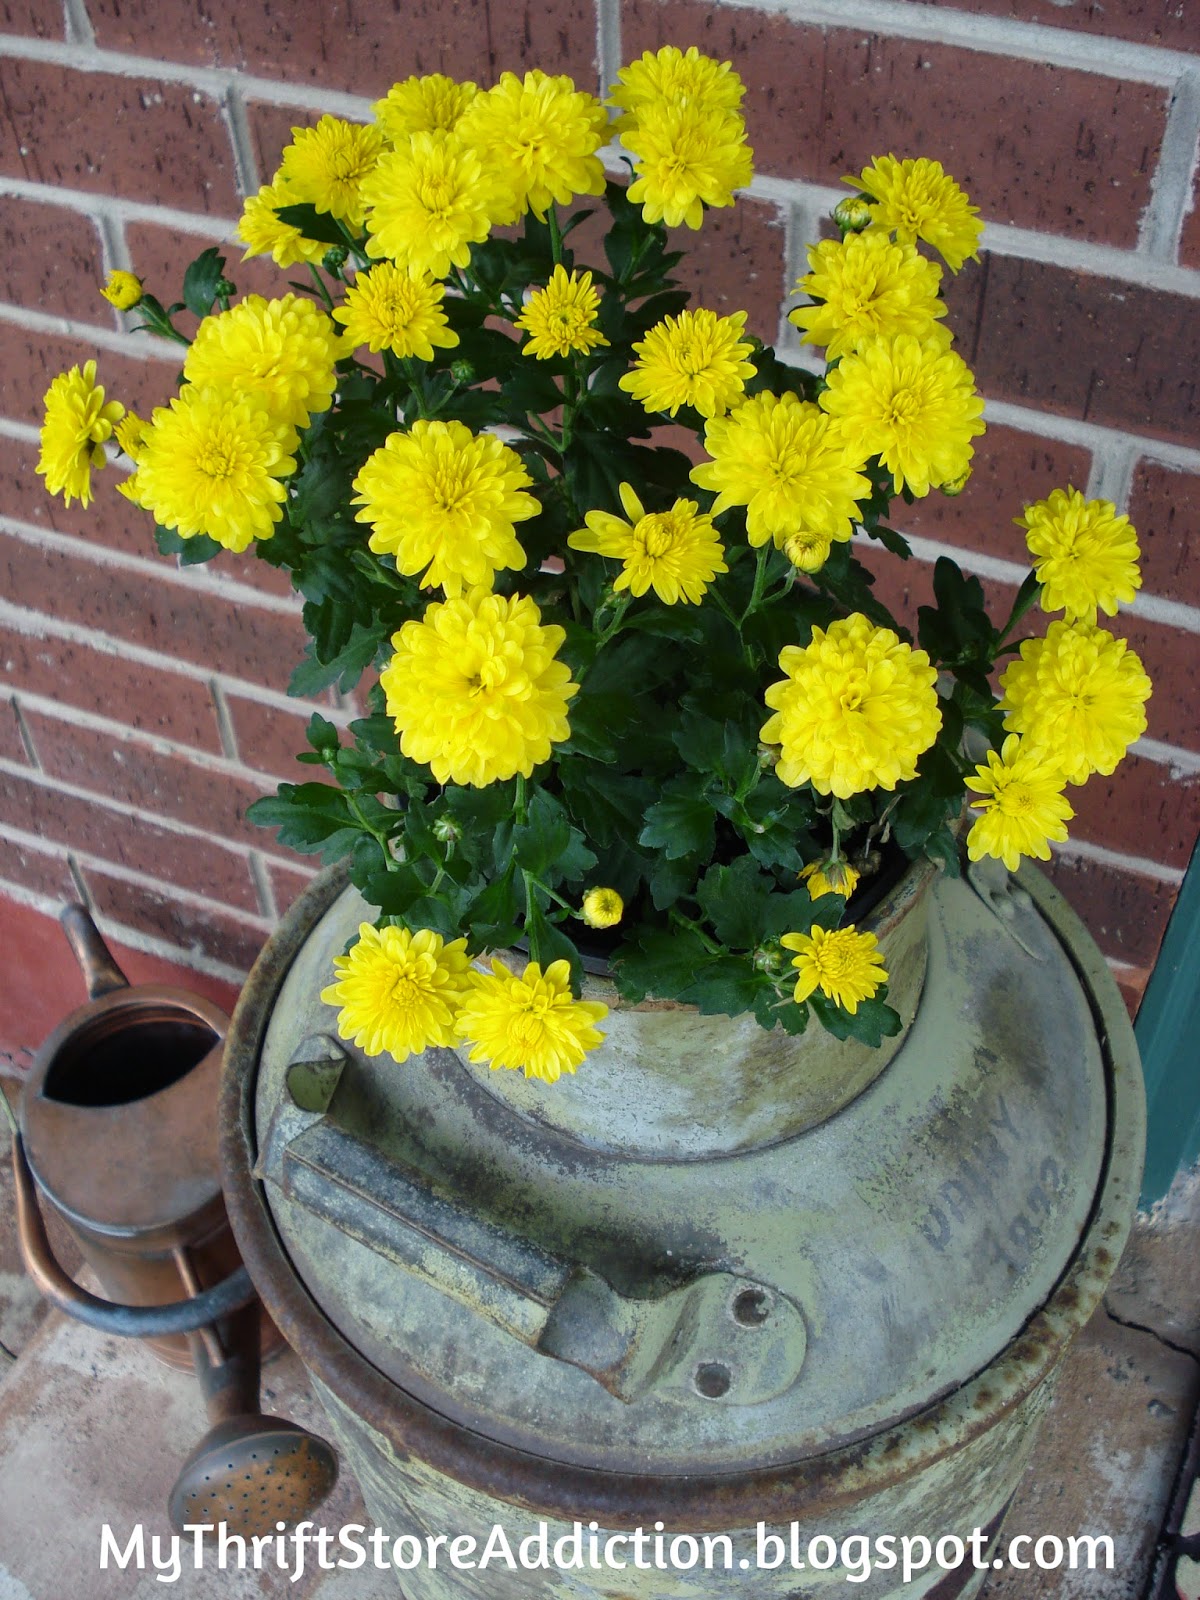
[[100, 971]]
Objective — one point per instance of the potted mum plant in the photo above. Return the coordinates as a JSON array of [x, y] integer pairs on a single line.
[[587, 553]]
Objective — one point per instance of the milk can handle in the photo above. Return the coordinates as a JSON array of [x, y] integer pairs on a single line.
[[181, 1316]]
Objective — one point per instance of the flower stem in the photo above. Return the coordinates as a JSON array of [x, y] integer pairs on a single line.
[[322, 290]]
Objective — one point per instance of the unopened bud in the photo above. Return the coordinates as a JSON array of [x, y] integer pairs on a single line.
[[122, 290], [334, 258], [768, 958], [808, 552], [462, 372], [852, 214], [602, 908], [224, 289], [768, 757], [447, 830], [954, 486]]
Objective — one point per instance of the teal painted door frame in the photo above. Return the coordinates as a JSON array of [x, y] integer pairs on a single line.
[[1168, 1036]]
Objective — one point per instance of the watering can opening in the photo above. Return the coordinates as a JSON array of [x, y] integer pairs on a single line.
[[127, 1054]]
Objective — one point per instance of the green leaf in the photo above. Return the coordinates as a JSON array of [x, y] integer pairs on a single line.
[[190, 551], [872, 1023], [725, 987], [201, 279], [734, 899], [552, 944], [313, 818], [343, 669], [316, 225], [322, 734], [680, 825], [661, 963]]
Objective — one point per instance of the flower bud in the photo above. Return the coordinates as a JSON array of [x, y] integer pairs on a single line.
[[122, 290], [462, 372], [768, 757], [954, 486], [830, 877], [768, 958], [852, 214], [224, 289], [602, 908], [334, 259], [447, 830], [808, 552]]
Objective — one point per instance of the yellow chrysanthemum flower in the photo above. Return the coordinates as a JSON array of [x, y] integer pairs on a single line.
[[674, 77], [211, 463], [388, 309], [912, 403], [399, 992], [280, 350], [264, 234], [917, 200], [442, 501], [696, 359], [1085, 555], [538, 135], [856, 710], [561, 317], [868, 288], [602, 908], [677, 553], [325, 166], [830, 877], [122, 290], [429, 104], [779, 457], [843, 963], [686, 157], [475, 690], [427, 202], [1079, 693], [78, 421], [806, 550], [531, 1023], [1023, 806], [129, 433]]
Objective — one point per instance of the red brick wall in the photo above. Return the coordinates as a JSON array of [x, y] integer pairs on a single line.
[[143, 707]]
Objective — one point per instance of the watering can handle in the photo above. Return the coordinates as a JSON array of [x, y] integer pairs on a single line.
[[181, 1316]]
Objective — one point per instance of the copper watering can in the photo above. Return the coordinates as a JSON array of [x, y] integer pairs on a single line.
[[117, 1132]]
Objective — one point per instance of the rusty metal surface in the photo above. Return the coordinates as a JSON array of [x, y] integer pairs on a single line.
[[415, 1441]]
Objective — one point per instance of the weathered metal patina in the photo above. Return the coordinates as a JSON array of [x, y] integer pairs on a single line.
[[661, 1304]]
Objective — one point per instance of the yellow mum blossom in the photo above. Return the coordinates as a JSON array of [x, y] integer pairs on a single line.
[[539, 136], [843, 963], [602, 908], [475, 690], [686, 157], [325, 166], [1085, 555], [830, 877], [531, 1023], [129, 433], [674, 77], [426, 203], [122, 290], [1023, 805], [779, 457], [399, 992], [1079, 693], [281, 350], [561, 317], [429, 104], [387, 309], [695, 359], [78, 421], [807, 551], [211, 463], [917, 200], [442, 501], [912, 403], [264, 234], [856, 710], [677, 553], [868, 288]]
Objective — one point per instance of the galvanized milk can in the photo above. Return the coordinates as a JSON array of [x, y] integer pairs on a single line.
[[721, 1281]]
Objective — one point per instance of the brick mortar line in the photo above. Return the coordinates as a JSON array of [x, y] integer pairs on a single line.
[[609, 55], [245, 166], [1137, 866], [119, 207], [79, 28], [1021, 41], [184, 830], [223, 588], [1111, 474], [131, 938], [1091, 435], [143, 347], [1171, 185], [33, 624], [1181, 763], [141, 880]]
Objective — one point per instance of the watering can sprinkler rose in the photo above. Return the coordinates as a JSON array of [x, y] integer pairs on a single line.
[[626, 691]]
